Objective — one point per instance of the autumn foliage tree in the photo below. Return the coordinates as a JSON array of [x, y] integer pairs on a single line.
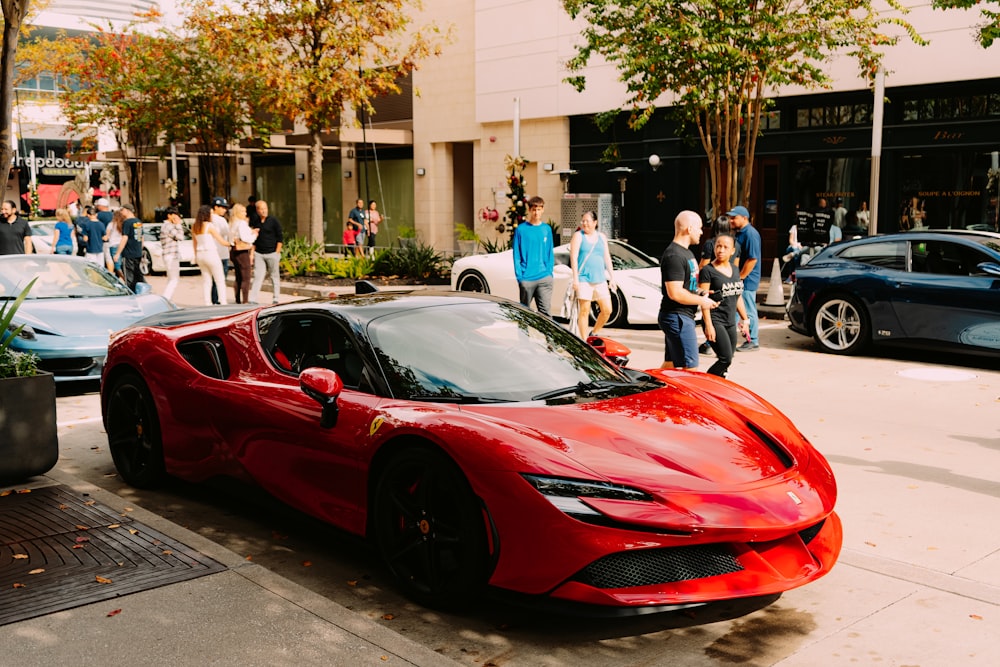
[[315, 59], [718, 61], [116, 79]]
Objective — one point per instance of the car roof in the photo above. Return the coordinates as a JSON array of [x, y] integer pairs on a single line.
[[923, 235]]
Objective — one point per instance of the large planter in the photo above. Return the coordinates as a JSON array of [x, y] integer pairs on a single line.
[[466, 248], [29, 441]]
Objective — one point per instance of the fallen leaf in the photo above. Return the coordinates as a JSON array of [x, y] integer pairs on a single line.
[[24, 490], [384, 658], [133, 531], [249, 557], [16, 585], [352, 582], [307, 563], [127, 509], [77, 546], [115, 525], [20, 556], [114, 612], [871, 544], [83, 539], [37, 571], [975, 617], [388, 617], [80, 526], [64, 507], [101, 580], [167, 552], [5, 492], [90, 502]]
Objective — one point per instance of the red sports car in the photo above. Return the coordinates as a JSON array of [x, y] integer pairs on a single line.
[[477, 443]]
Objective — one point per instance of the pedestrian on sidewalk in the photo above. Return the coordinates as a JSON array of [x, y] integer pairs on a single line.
[[130, 247], [206, 251], [267, 253], [220, 207], [720, 279], [241, 251], [750, 253], [681, 299], [171, 235]]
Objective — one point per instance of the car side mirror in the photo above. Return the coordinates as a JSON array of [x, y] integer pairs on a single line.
[[323, 386], [990, 268]]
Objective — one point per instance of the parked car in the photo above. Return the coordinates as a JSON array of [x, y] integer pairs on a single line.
[[637, 275], [70, 311], [477, 443], [42, 232], [937, 288], [152, 251]]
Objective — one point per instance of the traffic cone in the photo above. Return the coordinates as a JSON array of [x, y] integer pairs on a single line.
[[776, 292]]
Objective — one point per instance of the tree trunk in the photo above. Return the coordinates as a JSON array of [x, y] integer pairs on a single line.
[[316, 188], [13, 15]]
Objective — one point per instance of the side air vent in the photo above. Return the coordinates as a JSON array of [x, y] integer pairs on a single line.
[[207, 356], [779, 451]]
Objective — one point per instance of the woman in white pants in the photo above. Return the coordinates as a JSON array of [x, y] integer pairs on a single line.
[[206, 252], [171, 235]]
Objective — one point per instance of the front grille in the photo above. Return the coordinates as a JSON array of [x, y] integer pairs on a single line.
[[70, 366], [659, 566]]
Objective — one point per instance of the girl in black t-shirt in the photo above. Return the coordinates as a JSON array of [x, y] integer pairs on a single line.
[[721, 279]]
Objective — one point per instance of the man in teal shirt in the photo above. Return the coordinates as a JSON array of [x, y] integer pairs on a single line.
[[534, 258]]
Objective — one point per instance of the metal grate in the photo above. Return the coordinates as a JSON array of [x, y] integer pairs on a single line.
[[659, 566], [73, 540]]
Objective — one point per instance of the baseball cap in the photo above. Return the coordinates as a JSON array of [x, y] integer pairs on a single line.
[[102, 202], [738, 210], [220, 201]]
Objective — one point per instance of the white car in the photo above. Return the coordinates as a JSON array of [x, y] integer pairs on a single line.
[[637, 276], [42, 232], [152, 251]]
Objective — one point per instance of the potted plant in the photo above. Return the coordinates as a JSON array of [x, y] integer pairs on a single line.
[[468, 239], [407, 237], [29, 443]]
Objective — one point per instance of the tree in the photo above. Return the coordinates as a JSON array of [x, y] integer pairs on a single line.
[[316, 59], [210, 104], [989, 29], [14, 13], [113, 78], [720, 60]]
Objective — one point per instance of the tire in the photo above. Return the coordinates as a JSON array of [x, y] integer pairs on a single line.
[[145, 263], [430, 530], [619, 311], [134, 433], [840, 325], [472, 281]]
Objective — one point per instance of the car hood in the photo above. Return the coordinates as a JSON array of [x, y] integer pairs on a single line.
[[89, 316], [665, 439]]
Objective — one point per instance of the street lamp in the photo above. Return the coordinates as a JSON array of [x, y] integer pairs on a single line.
[[655, 161]]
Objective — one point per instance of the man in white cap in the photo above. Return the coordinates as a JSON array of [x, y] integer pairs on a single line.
[[104, 213], [220, 207], [750, 253]]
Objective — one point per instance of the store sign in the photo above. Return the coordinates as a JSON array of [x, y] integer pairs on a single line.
[[47, 164]]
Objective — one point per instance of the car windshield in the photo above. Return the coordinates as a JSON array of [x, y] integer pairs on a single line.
[[489, 352], [57, 278], [626, 257]]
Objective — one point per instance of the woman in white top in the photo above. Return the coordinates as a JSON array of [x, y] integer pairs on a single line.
[[241, 252], [590, 259], [206, 252], [113, 239]]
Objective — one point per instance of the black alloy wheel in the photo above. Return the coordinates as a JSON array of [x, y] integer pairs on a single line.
[[134, 433], [430, 529]]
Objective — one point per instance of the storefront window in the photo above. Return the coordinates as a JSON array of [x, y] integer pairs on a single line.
[[945, 190]]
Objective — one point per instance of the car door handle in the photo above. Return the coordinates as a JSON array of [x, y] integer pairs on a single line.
[[898, 285]]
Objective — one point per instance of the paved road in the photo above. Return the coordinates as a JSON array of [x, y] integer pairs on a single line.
[[914, 441]]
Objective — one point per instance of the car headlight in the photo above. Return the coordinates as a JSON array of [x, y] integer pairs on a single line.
[[26, 332], [565, 494]]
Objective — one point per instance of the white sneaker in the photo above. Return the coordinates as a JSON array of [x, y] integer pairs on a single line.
[[789, 257]]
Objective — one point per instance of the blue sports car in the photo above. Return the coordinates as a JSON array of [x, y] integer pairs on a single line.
[[71, 311], [937, 288]]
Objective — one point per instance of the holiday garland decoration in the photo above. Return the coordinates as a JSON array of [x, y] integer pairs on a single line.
[[517, 211]]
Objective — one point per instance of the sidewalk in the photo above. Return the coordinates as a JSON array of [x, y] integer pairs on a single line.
[[238, 614]]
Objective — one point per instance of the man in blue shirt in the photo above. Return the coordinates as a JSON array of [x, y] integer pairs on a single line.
[[534, 258], [749, 240]]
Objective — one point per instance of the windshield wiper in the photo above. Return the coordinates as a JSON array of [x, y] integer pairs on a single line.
[[456, 398], [595, 387]]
